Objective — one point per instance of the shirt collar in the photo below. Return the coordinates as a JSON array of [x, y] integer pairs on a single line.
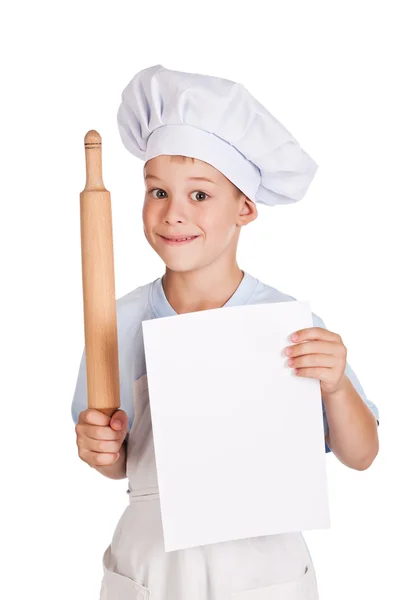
[[162, 308]]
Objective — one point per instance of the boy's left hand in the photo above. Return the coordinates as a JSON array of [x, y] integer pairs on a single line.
[[320, 354]]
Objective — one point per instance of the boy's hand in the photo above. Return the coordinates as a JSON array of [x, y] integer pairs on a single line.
[[99, 437], [323, 357]]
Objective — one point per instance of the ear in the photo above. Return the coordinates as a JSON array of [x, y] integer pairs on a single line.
[[248, 211]]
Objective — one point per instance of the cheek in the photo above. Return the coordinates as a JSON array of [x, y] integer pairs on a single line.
[[219, 221], [148, 216]]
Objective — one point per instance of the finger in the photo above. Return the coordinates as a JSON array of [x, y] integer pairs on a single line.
[[94, 417], [95, 432], [119, 420], [313, 360], [317, 347], [320, 373], [98, 459], [314, 348], [315, 333], [100, 446]]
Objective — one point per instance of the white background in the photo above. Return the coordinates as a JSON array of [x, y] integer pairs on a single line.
[[328, 72]]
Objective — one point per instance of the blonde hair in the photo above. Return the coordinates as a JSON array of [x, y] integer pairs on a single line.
[[179, 158]]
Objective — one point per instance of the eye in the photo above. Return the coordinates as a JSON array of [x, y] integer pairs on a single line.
[[163, 192], [201, 193], [156, 190]]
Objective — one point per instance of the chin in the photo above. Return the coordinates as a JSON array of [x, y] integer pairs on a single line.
[[180, 266]]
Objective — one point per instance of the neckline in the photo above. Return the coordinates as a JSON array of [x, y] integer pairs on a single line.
[[162, 308]]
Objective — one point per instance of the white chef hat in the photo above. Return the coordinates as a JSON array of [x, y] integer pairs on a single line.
[[219, 122]]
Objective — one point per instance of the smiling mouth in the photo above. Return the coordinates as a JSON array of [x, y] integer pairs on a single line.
[[178, 240]]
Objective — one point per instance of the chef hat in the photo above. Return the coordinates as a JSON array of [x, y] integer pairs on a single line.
[[219, 122]]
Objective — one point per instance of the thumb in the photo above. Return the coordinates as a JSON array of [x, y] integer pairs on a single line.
[[119, 420]]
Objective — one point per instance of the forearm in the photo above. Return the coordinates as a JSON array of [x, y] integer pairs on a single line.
[[118, 469], [353, 435]]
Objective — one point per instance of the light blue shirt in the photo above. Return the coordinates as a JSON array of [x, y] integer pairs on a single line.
[[150, 302]]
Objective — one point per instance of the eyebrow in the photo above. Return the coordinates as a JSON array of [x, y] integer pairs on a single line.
[[149, 176]]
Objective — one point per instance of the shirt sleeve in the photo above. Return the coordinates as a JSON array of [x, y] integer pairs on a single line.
[[318, 322], [80, 400]]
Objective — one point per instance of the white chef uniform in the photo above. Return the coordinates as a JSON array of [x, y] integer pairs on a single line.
[[277, 567]]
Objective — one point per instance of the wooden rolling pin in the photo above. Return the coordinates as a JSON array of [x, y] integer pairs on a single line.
[[99, 302]]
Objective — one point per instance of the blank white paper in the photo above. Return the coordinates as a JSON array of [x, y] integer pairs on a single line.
[[238, 438]]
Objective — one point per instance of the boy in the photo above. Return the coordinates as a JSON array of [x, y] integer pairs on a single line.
[[211, 152]]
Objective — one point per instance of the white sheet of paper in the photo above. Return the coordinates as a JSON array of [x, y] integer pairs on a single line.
[[238, 438]]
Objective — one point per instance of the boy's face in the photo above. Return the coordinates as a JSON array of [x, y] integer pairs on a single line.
[[177, 205]]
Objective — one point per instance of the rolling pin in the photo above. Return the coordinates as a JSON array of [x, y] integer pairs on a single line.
[[98, 281]]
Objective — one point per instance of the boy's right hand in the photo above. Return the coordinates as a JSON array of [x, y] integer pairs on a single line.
[[99, 437]]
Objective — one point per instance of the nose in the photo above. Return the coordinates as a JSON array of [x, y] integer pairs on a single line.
[[174, 211]]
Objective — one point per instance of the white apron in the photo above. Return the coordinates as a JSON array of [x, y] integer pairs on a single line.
[[136, 566]]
